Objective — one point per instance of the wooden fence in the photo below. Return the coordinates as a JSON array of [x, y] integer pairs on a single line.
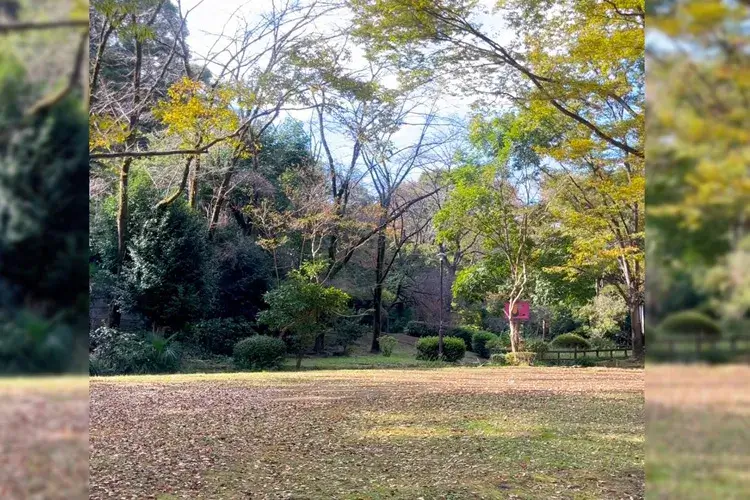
[[583, 353], [699, 344], [575, 353]]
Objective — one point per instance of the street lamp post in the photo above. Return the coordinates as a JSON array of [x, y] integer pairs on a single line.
[[441, 255]]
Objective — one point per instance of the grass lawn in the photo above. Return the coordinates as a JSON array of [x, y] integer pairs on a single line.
[[44, 446], [698, 432], [450, 433]]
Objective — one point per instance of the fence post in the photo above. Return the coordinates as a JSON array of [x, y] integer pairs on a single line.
[[575, 352], [597, 354], [611, 354], [558, 355]]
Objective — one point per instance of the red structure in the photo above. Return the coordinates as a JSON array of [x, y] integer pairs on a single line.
[[520, 311]]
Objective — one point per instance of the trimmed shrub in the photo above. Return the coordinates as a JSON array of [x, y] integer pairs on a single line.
[[259, 352], [570, 341], [464, 333], [219, 335], [479, 343], [520, 358], [454, 349], [420, 329], [690, 323], [387, 343]]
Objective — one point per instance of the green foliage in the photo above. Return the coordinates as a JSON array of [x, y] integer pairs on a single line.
[[243, 273], [346, 331], [219, 335], [498, 344], [520, 358], [537, 346], [464, 333], [715, 356], [454, 349], [300, 308], [32, 344], [690, 323], [497, 359], [479, 343], [124, 353], [387, 343], [420, 329], [600, 343], [260, 352], [43, 196], [570, 341], [605, 313], [166, 277]]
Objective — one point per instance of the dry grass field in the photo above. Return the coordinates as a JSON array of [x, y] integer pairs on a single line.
[[698, 432], [44, 438], [452, 433]]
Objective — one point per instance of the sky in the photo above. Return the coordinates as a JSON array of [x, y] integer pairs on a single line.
[[209, 17]]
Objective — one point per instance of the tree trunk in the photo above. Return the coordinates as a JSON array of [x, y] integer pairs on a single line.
[[378, 292], [320, 342], [300, 355], [220, 199], [114, 316], [635, 330], [193, 188], [515, 336]]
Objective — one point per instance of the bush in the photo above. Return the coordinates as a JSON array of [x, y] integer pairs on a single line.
[[219, 335], [479, 343], [520, 358], [497, 359], [260, 352], [420, 329], [499, 344], [347, 331], [464, 333], [387, 343], [537, 346], [126, 353], [454, 349], [690, 323], [715, 357], [570, 341], [32, 344], [585, 362], [602, 343]]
